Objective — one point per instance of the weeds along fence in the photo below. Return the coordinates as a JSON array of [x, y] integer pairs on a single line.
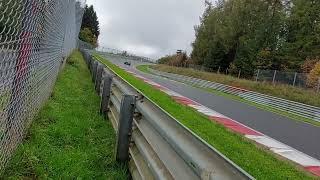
[[273, 76], [35, 38], [155, 144]]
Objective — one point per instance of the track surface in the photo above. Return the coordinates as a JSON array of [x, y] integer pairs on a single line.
[[299, 135]]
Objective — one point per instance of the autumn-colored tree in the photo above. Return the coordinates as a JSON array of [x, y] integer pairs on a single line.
[[314, 76]]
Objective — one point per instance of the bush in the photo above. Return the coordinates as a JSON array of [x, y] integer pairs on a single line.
[[87, 36]]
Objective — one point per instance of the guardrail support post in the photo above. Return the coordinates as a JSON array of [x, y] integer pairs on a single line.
[[98, 77], [125, 127], [106, 90], [90, 65], [94, 70]]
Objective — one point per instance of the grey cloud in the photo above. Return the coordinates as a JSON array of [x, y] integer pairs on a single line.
[[159, 27]]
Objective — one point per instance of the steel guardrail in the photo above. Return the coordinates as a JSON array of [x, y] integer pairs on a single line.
[[160, 146], [295, 108]]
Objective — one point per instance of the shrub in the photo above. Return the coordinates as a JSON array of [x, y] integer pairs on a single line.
[[86, 35]]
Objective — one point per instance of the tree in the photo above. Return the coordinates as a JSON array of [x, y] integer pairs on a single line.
[[302, 30], [314, 76], [90, 23], [236, 31]]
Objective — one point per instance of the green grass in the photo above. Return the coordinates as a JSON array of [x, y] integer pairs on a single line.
[[259, 162], [280, 90], [144, 68], [68, 139]]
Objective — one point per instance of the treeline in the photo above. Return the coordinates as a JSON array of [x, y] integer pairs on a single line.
[[264, 34], [247, 35], [90, 30]]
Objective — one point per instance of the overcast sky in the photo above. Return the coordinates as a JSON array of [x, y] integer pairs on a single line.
[[151, 28]]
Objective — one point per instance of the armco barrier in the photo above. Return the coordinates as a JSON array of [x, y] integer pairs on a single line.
[[155, 144], [299, 109]]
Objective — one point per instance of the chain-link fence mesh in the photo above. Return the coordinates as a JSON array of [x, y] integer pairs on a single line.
[[273, 76], [35, 37], [282, 77], [85, 45]]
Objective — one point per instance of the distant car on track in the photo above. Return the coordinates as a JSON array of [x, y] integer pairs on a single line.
[[127, 63]]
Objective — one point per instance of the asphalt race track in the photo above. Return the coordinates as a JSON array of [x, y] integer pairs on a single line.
[[299, 135]]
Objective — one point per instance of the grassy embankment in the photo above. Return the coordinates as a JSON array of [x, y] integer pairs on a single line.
[[144, 68], [68, 139], [259, 162]]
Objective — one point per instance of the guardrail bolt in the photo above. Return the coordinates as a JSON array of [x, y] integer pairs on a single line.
[[98, 77], [107, 81], [125, 128]]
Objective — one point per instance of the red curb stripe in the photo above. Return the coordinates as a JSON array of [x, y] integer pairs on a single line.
[[159, 87], [235, 126], [184, 100], [313, 169]]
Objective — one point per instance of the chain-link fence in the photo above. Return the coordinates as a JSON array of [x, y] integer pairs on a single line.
[[291, 78], [85, 45], [35, 38], [273, 76]]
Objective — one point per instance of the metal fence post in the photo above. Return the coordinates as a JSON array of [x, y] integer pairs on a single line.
[[239, 74], [125, 127], [98, 77], [105, 95], [257, 76], [318, 87], [294, 79], [274, 76]]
